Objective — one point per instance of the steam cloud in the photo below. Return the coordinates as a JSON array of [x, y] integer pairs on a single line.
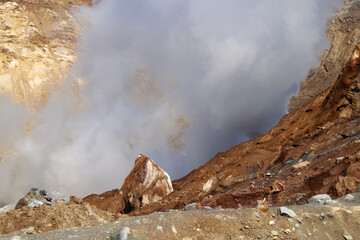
[[176, 80]]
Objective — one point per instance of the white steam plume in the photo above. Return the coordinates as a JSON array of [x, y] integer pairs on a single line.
[[176, 80]]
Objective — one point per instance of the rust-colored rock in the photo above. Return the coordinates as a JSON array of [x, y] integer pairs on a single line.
[[111, 201], [146, 183]]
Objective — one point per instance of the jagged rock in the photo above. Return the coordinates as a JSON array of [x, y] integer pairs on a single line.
[[284, 211], [34, 198], [145, 184], [111, 201], [319, 199], [347, 237]]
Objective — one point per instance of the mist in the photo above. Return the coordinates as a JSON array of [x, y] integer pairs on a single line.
[[175, 80]]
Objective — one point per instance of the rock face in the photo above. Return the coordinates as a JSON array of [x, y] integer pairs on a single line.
[[146, 183], [344, 32], [39, 39]]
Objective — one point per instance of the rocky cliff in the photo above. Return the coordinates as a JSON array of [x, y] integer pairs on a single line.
[[38, 44], [343, 31]]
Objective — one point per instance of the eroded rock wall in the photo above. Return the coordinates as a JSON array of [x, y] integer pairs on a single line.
[[38, 47]]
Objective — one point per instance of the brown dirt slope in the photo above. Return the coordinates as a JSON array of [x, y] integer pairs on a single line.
[[313, 150], [46, 218], [311, 222]]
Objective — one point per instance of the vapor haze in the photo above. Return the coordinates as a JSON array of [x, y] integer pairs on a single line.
[[175, 80]]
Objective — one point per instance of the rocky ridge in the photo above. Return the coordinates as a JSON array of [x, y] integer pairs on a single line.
[[344, 32]]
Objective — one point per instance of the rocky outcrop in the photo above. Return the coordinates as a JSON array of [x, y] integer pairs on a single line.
[[34, 198], [344, 32], [146, 183], [38, 47]]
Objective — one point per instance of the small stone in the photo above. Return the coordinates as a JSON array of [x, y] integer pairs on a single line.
[[30, 231], [347, 237], [273, 215], [159, 228], [319, 199], [207, 208], [121, 235], [258, 237], [34, 203], [297, 225], [189, 207], [331, 202], [322, 216], [287, 231], [43, 192], [349, 198], [246, 227], [339, 159], [257, 215], [263, 208], [348, 211], [274, 233], [34, 189], [272, 222], [268, 174], [284, 211]]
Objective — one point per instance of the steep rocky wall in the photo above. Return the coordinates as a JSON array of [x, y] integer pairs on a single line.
[[38, 44], [344, 33]]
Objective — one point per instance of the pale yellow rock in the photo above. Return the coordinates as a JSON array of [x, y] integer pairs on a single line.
[[38, 45]]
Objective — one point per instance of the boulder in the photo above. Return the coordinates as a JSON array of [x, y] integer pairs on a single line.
[[319, 199], [34, 198], [284, 211], [145, 184]]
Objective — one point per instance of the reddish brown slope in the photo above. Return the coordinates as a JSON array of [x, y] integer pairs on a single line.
[[312, 150]]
